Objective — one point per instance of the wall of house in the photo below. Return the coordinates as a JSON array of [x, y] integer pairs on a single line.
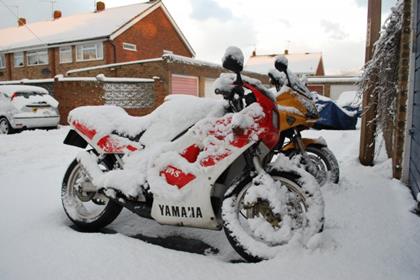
[[62, 68], [53, 67], [31, 71], [153, 34], [5, 72]]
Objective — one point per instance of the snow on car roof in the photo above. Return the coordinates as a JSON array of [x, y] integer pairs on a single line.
[[71, 28], [9, 89]]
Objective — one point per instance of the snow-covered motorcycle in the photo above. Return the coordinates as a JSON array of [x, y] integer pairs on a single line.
[[194, 162], [298, 112]]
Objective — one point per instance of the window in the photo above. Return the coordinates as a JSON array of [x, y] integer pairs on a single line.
[[91, 51], [18, 59], [129, 47], [66, 55], [38, 57], [2, 61]]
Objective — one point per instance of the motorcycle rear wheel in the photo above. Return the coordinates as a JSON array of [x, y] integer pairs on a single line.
[[325, 162], [250, 244], [88, 211]]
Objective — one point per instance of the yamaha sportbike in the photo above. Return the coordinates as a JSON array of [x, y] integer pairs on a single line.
[[206, 169]]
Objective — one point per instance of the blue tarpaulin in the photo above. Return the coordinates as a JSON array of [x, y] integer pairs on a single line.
[[333, 117]]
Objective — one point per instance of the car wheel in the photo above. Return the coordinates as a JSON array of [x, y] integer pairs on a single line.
[[5, 127]]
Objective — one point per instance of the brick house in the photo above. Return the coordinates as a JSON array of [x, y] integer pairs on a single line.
[[309, 64], [44, 49]]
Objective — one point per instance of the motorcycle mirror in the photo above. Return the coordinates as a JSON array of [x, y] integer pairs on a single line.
[[233, 59], [275, 76], [281, 63]]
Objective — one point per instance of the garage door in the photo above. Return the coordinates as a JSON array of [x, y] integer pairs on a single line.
[[184, 85], [209, 88]]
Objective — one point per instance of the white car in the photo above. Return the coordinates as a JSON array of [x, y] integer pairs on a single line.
[[26, 107]]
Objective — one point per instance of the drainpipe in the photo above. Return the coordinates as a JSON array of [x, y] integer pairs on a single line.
[[114, 51]]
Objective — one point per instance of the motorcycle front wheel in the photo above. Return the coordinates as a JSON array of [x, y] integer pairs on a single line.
[[89, 211], [257, 230]]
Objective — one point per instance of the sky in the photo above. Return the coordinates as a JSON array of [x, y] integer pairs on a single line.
[[335, 28]]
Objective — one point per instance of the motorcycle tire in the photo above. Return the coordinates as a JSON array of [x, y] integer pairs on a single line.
[[251, 245], [325, 159], [88, 211]]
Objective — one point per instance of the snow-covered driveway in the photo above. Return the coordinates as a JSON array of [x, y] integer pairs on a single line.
[[369, 232]]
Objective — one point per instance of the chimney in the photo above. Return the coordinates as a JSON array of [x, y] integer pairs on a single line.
[[100, 6], [254, 53], [286, 52], [21, 21], [56, 14]]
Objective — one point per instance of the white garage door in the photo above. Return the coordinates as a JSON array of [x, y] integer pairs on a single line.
[[209, 88], [336, 90], [184, 85]]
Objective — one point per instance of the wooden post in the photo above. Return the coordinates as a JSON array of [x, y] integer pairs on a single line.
[[401, 102], [368, 129]]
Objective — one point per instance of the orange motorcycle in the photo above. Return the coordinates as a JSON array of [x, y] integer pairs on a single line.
[[298, 112]]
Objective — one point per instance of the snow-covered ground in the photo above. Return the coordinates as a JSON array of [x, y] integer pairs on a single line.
[[369, 232]]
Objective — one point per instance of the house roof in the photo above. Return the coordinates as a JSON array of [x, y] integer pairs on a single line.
[[81, 27], [304, 63]]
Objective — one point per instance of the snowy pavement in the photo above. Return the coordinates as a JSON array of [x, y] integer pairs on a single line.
[[369, 232]]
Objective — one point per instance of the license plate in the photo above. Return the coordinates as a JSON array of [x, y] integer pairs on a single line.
[[34, 110]]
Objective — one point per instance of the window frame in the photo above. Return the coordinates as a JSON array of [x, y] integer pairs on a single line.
[[14, 59], [62, 51], [36, 53], [129, 47], [84, 48], [3, 61]]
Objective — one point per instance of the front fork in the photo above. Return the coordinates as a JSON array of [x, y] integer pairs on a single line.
[[310, 166]]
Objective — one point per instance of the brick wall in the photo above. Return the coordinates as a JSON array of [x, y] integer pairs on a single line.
[[72, 94], [163, 69], [33, 71], [151, 35]]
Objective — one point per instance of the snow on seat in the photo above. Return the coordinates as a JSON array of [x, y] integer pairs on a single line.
[[176, 114], [108, 119]]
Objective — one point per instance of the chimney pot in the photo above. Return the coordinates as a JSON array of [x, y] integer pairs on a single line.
[[286, 51], [21, 21], [100, 6], [57, 14]]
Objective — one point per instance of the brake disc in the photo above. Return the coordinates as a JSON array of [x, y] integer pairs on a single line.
[[262, 208]]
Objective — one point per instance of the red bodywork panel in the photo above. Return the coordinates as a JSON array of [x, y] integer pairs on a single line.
[[176, 177], [89, 133], [111, 145], [269, 134]]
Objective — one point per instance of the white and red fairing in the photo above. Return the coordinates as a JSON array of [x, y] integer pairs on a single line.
[[210, 147]]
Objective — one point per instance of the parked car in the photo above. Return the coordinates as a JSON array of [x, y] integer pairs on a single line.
[[26, 107]]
